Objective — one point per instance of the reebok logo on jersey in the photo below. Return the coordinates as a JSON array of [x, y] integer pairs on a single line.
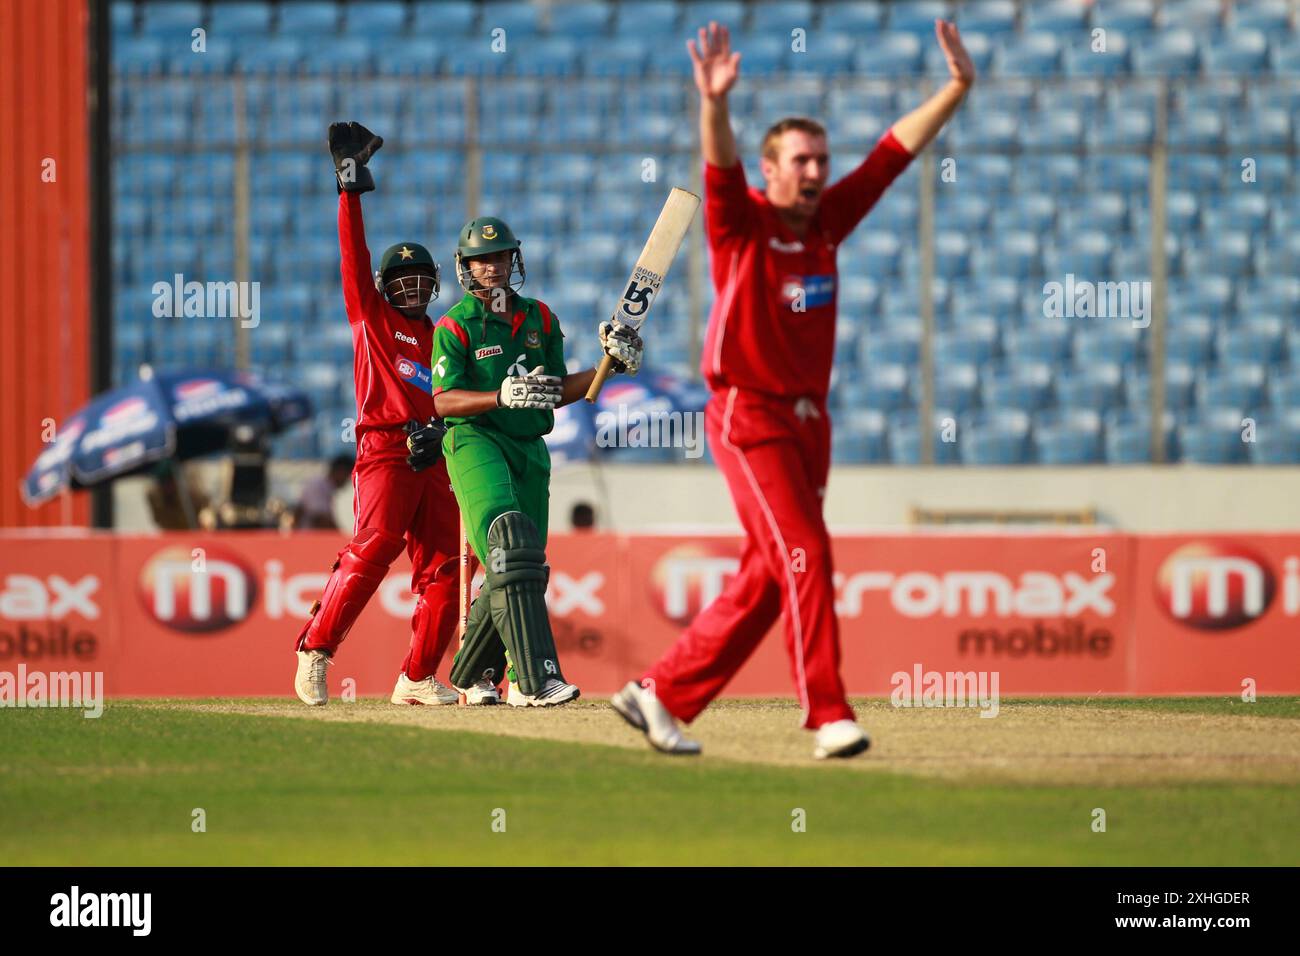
[[487, 351], [408, 339]]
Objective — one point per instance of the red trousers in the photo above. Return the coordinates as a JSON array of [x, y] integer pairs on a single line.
[[395, 506], [775, 457]]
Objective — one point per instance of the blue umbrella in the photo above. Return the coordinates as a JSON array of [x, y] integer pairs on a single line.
[[168, 415]]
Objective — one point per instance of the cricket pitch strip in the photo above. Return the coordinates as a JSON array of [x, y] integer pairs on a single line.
[[1059, 743]]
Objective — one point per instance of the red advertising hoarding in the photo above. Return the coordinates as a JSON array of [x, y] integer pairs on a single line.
[[1078, 614]]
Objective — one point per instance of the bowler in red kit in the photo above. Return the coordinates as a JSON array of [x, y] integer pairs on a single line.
[[395, 507], [767, 360]]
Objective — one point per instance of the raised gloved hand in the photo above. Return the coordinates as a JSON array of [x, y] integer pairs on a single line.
[[623, 344], [352, 145], [424, 442], [534, 390]]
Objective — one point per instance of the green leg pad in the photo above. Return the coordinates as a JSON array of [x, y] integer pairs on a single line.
[[517, 575], [482, 655]]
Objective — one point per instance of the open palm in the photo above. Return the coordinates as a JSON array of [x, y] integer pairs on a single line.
[[716, 67]]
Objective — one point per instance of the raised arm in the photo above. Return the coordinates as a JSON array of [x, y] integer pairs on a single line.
[[916, 130], [716, 68], [351, 146]]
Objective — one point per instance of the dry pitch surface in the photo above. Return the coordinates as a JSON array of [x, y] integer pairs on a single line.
[[1071, 743]]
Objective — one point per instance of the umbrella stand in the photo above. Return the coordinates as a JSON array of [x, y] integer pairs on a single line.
[[183, 488]]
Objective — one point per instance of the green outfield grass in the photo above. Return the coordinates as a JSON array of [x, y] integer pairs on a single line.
[[121, 790]]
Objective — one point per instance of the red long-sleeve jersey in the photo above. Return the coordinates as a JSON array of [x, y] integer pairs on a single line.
[[390, 351], [757, 338]]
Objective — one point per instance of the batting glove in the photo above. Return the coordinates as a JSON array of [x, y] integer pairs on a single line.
[[534, 390], [623, 344]]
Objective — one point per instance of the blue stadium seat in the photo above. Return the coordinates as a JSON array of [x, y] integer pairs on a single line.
[[580, 19], [1242, 210], [1272, 17], [239, 20], [1105, 212], [1239, 51], [1190, 342], [1044, 340], [779, 17], [729, 13], [1258, 340], [895, 346], [956, 387], [1110, 342], [1284, 388], [951, 254], [994, 438], [1028, 54], [1014, 254], [1080, 60], [966, 212], [1170, 52], [622, 56], [279, 53], [1128, 437], [1201, 294], [1085, 97], [1071, 437], [1195, 130], [1122, 128], [1260, 128], [446, 18], [850, 17], [1054, 131], [876, 254], [1285, 58], [1120, 172], [1180, 387], [987, 17], [1213, 438], [519, 20], [330, 54], [1085, 253], [140, 56], [1277, 438], [121, 19], [1238, 386], [307, 18], [859, 438], [1225, 254], [1034, 212], [965, 347], [881, 387], [1025, 387], [651, 18], [1056, 16], [1267, 295], [376, 19], [173, 18], [1097, 387], [1126, 17], [916, 16], [905, 438], [889, 55]]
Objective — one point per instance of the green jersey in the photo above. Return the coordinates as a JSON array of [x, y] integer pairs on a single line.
[[472, 354]]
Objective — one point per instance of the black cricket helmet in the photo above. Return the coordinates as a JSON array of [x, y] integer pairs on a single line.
[[481, 237], [425, 282]]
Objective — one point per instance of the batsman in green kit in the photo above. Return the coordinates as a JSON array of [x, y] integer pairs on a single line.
[[498, 376]]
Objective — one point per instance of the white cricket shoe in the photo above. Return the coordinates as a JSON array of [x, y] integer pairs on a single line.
[[553, 692], [429, 692], [483, 693], [310, 680], [642, 710], [840, 738]]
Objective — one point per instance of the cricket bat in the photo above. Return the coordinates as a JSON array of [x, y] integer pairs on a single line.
[[650, 269]]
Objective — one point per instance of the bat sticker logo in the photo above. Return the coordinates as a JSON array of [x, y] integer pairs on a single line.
[[636, 300]]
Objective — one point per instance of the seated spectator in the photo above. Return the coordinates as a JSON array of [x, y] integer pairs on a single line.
[[316, 506]]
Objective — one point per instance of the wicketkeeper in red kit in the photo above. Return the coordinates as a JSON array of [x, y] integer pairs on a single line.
[[395, 507], [767, 360]]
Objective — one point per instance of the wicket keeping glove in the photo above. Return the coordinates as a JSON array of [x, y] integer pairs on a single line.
[[623, 344], [534, 390], [352, 145], [424, 442]]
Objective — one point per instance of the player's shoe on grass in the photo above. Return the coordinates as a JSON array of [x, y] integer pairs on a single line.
[[840, 738], [643, 711], [429, 692], [483, 693], [553, 692], [310, 680]]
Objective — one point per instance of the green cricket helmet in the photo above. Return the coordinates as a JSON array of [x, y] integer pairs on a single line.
[[484, 236], [415, 288]]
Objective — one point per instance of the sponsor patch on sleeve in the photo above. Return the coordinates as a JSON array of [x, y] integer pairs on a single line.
[[413, 373], [487, 351]]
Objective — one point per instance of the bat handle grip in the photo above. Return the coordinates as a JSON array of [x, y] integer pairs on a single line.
[[603, 371]]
